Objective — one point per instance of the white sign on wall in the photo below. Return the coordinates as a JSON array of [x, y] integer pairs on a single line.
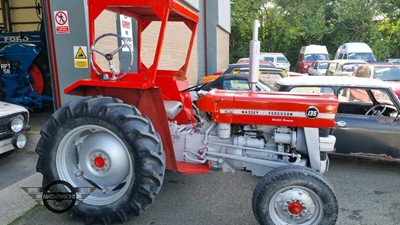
[[61, 22]]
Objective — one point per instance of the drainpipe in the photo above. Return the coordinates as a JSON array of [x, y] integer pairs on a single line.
[[205, 36]]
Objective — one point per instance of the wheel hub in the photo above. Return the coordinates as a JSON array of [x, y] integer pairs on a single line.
[[294, 206], [100, 162], [104, 159]]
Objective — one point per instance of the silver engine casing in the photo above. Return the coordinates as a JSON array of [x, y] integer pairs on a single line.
[[255, 148]]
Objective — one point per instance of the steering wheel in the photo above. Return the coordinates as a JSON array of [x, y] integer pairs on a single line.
[[375, 112], [110, 56]]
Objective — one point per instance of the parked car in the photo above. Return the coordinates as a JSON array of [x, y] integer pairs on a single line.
[[393, 60], [229, 82], [278, 59], [355, 50], [308, 54], [265, 70], [14, 125], [343, 67], [318, 68], [262, 62], [388, 72], [366, 123]]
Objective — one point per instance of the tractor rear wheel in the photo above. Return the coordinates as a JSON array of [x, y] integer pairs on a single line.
[[102, 143], [40, 73], [294, 195]]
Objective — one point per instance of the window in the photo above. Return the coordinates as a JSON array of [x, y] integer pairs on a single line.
[[269, 59], [387, 73], [359, 71], [318, 90], [367, 73], [323, 65], [236, 85], [270, 78], [281, 60]]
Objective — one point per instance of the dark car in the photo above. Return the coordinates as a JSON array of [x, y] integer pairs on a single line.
[[367, 121], [236, 82], [244, 68], [227, 82]]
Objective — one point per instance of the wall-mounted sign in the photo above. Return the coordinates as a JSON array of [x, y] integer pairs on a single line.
[[61, 22], [80, 57]]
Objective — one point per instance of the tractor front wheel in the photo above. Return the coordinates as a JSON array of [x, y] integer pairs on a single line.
[[294, 195], [107, 145]]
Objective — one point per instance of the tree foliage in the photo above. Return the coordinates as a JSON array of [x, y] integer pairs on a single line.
[[288, 25]]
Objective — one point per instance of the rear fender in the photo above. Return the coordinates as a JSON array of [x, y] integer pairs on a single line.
[[149, 102], [24, 54]]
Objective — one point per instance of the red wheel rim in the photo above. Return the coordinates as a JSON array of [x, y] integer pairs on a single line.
[[37, 78]]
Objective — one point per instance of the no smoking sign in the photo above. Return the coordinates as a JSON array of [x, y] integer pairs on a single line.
[[61, 22]]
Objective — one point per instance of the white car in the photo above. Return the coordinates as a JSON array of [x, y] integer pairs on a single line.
[[278, 59], [14, 124], [318, 68]]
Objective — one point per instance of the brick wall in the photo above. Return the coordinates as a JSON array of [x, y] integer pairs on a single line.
[[106, 22], [173, 55]]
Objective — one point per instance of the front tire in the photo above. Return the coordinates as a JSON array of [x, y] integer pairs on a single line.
[[294, 195], [101, 142]]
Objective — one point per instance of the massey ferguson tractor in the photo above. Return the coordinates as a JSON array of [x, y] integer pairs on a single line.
[[129, 127]]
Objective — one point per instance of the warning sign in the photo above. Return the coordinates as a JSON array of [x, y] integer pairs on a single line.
[[80, 57], [80, 54], [61, 22]]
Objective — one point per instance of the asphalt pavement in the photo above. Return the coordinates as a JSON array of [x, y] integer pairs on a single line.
[[367, 193]]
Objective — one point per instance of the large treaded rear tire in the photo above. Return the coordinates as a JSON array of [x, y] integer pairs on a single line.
[[40, 67], [75, 126], [294, 195]]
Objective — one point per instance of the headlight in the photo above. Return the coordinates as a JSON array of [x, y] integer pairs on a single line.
[[17, 124], [19, 141]]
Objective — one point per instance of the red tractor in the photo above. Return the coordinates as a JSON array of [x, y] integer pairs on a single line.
[[130, 127]]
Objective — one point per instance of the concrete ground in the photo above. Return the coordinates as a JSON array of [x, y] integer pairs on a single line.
[[19, 170]]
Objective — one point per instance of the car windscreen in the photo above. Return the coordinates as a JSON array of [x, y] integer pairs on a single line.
[[323, 65], [366, 56], [313, 57], [318, 90], [281, 60], [235, 85], [350, 67], [269, 59], [387, 73]]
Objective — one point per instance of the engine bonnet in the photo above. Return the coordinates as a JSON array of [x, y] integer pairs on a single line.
[[270, 108]]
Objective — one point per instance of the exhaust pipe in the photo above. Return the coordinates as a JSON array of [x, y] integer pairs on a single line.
[[254, 57]]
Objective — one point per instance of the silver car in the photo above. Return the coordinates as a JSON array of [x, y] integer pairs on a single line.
[[14, 124], [318, 68]]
